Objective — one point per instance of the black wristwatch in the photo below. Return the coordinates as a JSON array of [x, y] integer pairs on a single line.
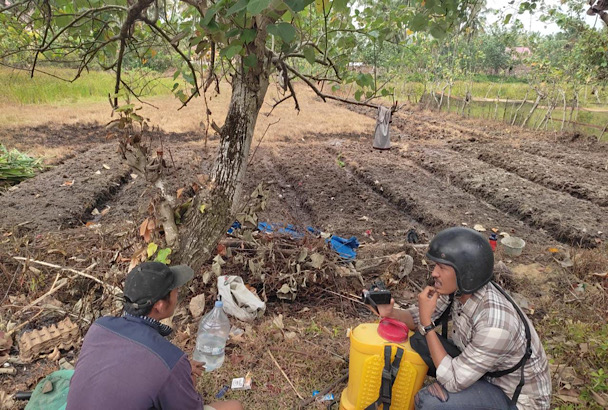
[[425, 329]]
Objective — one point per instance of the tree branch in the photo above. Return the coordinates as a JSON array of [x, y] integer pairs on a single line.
[[323, 96], [164, 35], [80, 17], [12, 6], [46, 32]]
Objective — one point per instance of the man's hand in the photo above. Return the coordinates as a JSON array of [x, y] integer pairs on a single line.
[[427, 302], [384, 310], [197, 370]]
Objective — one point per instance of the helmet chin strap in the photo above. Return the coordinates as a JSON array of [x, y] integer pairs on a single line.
[[457, 294]]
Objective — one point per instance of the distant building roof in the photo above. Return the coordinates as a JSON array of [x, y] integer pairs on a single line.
[[519, 50]]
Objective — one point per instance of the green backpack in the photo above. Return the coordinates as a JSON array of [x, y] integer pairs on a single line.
[[51, 393]]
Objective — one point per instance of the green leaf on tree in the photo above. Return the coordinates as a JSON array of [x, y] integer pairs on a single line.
[[507, 18], [298, 5], [340, 5], [233, 32], [365, 80], [285, 31], [238, 6], [309, 54], [250, 60], [358, 95], [419, 22], [208, 17], [231, 50], [248, 35], [257, 6], [438, 31]]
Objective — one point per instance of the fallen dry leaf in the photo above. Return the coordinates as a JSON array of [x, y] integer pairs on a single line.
[[602, 400], [568, 399], [197, 306], [180, 192], [143, 227], [51, 251], [278, 321]]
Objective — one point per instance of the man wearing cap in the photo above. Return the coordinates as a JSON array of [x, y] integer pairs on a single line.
[[126, 362]]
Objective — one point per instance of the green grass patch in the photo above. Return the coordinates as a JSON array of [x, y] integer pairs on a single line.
[[19, 88]]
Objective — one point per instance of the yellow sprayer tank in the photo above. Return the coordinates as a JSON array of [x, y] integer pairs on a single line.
[[365, 371]]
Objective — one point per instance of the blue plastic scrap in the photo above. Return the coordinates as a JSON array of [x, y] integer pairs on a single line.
[[343, 247], [236, 225]]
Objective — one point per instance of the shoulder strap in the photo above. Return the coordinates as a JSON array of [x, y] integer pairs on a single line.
[[522, 363], [443, 319]]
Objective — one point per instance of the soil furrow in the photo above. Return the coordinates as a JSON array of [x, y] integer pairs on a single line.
[[579, 182], [432, 201], [596, 160], [566, 218], [335, 199], [65, 195]]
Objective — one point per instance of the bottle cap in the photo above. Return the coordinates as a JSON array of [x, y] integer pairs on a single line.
[[393, 330], [219, 303]]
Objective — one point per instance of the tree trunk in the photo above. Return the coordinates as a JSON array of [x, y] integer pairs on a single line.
[[202, 230]]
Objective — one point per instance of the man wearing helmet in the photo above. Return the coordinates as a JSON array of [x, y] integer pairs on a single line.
[[493, 358]]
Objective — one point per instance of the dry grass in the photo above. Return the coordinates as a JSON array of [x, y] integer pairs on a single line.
[[312, 359], [315, 116]]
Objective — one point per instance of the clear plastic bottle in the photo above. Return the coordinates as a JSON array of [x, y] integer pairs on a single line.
[[211, 338]]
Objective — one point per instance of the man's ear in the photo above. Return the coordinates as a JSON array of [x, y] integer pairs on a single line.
[[160, 306]]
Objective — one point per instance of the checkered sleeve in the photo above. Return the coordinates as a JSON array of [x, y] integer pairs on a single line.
[[486, 349]]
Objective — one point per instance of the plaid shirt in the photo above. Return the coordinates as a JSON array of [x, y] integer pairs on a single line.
[[492, 337]]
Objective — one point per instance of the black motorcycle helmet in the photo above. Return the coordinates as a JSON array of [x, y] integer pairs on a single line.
[[468, 252]]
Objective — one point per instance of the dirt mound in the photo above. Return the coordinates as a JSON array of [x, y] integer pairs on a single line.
[[62, 196]]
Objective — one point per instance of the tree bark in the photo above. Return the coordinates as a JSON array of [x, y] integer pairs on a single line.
[[203, 230]]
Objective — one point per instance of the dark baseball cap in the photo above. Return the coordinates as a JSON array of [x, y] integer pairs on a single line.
[[148, 282]]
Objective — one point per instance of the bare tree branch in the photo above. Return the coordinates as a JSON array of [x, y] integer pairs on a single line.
[[136, 95], [82, 16], [287, 97], [12, 6], [121, 54], [46, 32], [184, 57], [325, 97]]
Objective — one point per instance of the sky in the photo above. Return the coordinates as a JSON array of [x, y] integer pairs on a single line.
[[532, 23]]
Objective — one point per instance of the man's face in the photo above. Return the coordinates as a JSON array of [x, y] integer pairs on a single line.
[[445, 279]]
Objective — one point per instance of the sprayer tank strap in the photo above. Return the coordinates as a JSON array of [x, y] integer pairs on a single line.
[[389, 375]]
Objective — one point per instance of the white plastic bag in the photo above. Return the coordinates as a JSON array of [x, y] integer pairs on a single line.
[[239, 301]]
